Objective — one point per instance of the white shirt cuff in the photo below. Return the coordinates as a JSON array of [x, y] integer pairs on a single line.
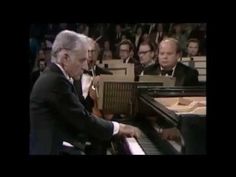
[[116, 128]]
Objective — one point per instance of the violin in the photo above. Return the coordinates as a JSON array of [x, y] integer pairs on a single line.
[[95, 97]]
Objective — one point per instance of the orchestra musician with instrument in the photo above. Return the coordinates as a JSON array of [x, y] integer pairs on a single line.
[[87, 85]]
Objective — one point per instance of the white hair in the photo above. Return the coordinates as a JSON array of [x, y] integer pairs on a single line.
[[68, 40]]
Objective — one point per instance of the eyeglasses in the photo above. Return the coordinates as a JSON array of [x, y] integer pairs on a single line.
[[143, 52]]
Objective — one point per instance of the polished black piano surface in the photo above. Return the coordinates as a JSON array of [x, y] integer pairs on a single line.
[[191, 126]]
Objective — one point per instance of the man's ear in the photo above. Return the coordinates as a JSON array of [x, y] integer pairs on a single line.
[[65, 56], [179, 55]]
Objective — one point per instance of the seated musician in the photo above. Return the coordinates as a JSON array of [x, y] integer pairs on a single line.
[[85, 86], [168, 65], [146, 56], [193, 47], [126, 53], [169, 53], [87, 95]]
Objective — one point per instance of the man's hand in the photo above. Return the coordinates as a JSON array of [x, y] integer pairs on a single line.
[[96, 81], [92, 93], [171, 134], [129, 131]]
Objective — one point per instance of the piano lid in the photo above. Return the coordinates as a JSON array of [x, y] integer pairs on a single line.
[[157, 91], [149, 95]]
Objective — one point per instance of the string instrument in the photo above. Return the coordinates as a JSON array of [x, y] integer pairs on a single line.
[[95, 109]]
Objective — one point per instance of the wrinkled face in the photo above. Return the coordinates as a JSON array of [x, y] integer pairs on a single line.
[[92, 55], [168, 56], [124, 51], [193, 48], [75, 62], [145, 54]]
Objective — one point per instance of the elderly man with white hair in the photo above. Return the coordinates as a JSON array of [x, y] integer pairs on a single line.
[[55, 110]]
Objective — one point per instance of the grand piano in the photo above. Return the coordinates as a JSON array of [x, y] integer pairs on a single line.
[[158, 108]]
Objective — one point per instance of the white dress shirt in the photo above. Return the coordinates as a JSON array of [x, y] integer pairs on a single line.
[[115, 124]]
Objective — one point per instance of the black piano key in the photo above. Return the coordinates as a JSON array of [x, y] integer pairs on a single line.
[[148, 147]]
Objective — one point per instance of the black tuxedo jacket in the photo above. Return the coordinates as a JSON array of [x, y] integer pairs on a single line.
[[185, 76], [34, 76], [56, 113]]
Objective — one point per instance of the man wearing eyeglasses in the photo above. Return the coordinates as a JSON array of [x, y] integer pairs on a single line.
[[146, 56], [125, 50]]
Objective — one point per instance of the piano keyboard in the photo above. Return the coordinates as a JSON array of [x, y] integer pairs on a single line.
[[134, 147], [174, 144], [142, 146]]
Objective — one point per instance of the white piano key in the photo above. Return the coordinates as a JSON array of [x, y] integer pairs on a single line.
[[175, 145], [134, 147]]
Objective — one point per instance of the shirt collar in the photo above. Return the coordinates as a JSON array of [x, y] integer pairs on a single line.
[[70, 79]]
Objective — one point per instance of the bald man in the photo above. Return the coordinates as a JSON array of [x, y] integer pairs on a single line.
[[169, 53]]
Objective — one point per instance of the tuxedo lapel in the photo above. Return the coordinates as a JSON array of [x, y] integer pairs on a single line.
[[179, 75]]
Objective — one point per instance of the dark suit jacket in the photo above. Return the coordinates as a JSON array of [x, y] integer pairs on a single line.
[[131, 60], [34, 76], [185, 76], [88, 102], [56, 113]]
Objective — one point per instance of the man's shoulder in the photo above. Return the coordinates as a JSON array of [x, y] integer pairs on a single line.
[[153, 66], [186, 68], [100, 70]]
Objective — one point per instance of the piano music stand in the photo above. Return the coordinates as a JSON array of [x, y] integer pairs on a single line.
[[118, 94], [117, 67], [167, 81]]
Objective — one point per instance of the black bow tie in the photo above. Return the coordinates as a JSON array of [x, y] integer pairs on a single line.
[[168, 72], [88, 72]]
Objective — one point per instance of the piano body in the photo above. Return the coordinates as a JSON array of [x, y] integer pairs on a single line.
[[154, 104], [166, 107]]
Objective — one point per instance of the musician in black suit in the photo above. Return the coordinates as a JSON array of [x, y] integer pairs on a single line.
[[146, 56], [126, 49], [55, 110], [169, 53], [192, 48], [158, 34], [86, 79], [115, 40]]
